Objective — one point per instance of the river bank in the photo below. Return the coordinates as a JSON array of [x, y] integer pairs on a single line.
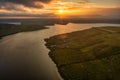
[[8, 29], [92, 54]]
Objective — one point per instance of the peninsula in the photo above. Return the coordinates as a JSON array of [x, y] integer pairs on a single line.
[[92, 54]]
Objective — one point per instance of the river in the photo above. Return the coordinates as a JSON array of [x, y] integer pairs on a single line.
[[24, 56]]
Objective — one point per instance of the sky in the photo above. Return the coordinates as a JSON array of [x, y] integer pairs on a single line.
[[65, 8]]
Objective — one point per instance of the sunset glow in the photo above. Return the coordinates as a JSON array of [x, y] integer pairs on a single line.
[[61, 11], [66, 8]]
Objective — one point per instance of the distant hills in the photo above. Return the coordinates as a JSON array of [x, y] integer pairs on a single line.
[[52, 20]]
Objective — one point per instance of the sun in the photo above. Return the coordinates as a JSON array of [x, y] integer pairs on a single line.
[[60, 11]]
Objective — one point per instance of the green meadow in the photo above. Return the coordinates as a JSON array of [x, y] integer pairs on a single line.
[[92, 54]]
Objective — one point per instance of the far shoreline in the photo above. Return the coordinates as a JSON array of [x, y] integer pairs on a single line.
[[9, 29]]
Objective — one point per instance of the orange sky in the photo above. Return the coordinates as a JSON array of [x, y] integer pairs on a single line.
[[61, 8]]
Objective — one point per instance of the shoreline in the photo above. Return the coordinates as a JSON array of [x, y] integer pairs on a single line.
[[64, 65], [55, 63], [10, 29], [5, 28]]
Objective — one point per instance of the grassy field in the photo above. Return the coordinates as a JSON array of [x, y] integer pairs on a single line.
[[92, 54], [7, 29]]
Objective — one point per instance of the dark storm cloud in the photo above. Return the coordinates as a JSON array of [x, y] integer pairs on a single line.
[[27, 3]]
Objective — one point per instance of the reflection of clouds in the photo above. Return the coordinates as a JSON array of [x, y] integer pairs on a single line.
[[62, 29]]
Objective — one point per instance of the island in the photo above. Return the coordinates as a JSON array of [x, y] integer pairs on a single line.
[[91, 54]]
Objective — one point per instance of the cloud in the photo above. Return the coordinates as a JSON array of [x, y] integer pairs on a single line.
[[40, 7], [27, 3], [11, 6], [84, 1]]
